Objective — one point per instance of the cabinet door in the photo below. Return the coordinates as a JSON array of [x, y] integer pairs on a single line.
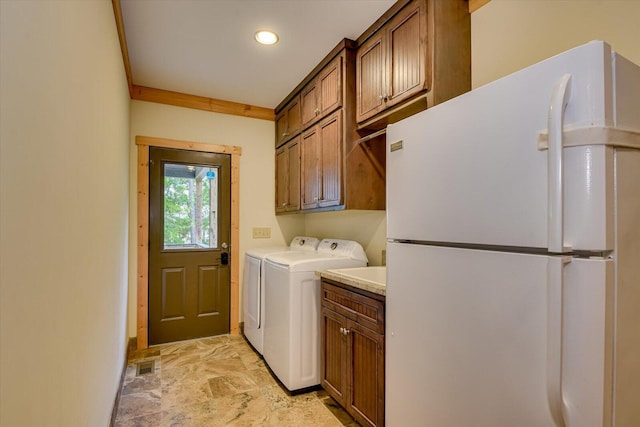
[[288, 177], [310, 157], [330, 87], [309, 103], [281, 127], [293, 184], [365, 352], [370, 77], [334, 355], [282, 176], [323, 94], [294, 117], [406, 53], [330, 131], [288, 121]]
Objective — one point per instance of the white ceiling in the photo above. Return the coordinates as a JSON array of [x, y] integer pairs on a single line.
[[207, 47]]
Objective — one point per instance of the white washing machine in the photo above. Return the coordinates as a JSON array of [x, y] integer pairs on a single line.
[[253, 285], [292, 309]]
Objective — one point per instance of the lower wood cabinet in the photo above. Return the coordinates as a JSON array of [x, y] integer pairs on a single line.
[[353, 350]]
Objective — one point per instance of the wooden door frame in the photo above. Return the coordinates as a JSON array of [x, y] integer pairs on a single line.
[[143, 143]]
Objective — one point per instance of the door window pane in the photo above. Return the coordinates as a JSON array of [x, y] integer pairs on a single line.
[[190, 207]]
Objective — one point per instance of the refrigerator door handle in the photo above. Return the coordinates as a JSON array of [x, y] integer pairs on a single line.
[[555, 286], [557, 107]]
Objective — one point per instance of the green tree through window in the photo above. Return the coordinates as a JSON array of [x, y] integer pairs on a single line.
[[187, 208]]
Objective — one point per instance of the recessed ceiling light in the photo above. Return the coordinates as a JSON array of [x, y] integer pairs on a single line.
[[266, 37]]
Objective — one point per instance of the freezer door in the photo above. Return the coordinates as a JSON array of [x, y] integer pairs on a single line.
[[485, 339], [470, 171]]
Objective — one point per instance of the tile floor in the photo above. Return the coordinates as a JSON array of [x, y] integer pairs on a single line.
[[217, 381]]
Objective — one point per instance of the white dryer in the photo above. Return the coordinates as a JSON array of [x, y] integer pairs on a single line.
[[253, 285], [292, 309]]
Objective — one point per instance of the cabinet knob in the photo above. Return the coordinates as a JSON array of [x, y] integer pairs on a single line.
[[317, 111], [284, 205], [344, 331], [284, 134]]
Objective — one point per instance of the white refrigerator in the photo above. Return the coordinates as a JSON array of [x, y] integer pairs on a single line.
[[513, 253]]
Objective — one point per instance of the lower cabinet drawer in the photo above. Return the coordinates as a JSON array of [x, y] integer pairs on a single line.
[[362, 309]]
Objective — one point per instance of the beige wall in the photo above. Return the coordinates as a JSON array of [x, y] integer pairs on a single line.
[[63, 213], [508, 35], [257, 173]]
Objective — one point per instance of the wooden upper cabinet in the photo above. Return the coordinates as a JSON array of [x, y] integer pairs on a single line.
[[288, 121], [294, 175], [288, 176], [310, 158], [281, 127], [282, 178], [406, 54], [330, 87], [323, 94], [309, 103], [391, 64], [321, 164], [294, 120], [417, 55], [334, 172], [331, 139], [371, 77]]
